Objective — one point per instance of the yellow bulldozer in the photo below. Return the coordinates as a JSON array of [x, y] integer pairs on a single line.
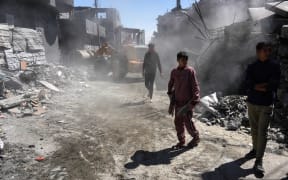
[[128, 59]]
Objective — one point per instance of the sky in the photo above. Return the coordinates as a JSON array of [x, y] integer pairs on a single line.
[[140, 14]]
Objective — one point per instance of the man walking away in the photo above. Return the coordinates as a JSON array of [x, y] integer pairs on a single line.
[[151, 62], [262, 80], [184, 88]]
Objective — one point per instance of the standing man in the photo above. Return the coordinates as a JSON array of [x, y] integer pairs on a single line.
[[151, 62], [184, 88], [262, 79]]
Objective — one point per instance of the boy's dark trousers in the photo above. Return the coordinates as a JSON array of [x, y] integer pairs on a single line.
[[182, 122], [259, 117]]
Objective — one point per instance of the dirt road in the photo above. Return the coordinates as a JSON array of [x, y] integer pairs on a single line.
[[104, 130]]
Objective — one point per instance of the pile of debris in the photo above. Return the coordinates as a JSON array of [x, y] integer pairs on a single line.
[[231, 112], [26, 93]]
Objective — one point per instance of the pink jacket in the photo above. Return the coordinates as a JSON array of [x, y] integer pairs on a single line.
[[186, 87]]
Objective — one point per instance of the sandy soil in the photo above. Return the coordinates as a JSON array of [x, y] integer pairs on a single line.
[[104, 130]]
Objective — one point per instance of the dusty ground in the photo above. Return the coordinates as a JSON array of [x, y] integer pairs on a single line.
[[104, 130]]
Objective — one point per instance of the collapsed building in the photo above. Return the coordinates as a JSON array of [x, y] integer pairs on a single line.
[[220, 37]]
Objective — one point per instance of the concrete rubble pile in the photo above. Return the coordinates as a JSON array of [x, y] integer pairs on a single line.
[[26, 93], [26, 79], [231, 112]]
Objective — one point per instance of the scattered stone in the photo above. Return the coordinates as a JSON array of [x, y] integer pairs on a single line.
[[31, 146]]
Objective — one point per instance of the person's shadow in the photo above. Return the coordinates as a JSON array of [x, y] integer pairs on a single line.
[[231, 171], [147, 158]]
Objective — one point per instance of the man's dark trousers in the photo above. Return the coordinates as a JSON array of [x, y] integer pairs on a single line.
[[149, 82]]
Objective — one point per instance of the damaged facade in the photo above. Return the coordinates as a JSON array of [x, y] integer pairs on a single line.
[[29, 31], [91, 28]]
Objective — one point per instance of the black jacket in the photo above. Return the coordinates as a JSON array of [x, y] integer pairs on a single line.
[[262, 72], [151, 62]]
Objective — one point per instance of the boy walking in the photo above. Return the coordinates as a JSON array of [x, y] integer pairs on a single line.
[[184, 88], [262, 79]]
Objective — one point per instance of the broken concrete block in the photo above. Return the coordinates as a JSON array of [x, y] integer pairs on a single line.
[[28, 111], [13, 83], [14, 111], [49, 86], [12, 102], [39, 111]]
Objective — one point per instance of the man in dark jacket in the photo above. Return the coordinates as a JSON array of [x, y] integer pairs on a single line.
[[184, 86], [151, 62], [262, 80]]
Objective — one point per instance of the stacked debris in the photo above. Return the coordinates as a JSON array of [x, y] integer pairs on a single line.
[[20, 45], [231, 112], [27, 92]]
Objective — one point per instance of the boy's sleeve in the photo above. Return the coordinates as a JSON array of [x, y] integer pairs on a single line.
[[195, 89], [159, 64], [171, 83]]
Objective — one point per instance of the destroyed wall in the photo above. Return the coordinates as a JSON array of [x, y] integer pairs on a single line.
[[21, 44], [36, 15]]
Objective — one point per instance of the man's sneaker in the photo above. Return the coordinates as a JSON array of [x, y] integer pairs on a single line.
[[195, 141], [251, 154], [258, 168]]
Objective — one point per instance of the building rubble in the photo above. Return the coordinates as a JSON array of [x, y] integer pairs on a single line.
[[230, 112], [221, 50], [26, 93]]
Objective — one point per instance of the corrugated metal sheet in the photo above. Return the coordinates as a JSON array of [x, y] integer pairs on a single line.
[[280, 8], [260, 13]]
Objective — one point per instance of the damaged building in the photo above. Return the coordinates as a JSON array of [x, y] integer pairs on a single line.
[[220, 37], [29, 31], [91, 28]]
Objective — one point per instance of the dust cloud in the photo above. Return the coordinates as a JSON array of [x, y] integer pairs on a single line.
[[220, 46]]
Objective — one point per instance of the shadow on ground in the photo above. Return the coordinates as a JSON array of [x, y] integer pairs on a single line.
[[231, 171], [147, 158]]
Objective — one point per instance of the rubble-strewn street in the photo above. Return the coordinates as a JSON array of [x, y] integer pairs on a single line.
[[83, 96], [85, 135]]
